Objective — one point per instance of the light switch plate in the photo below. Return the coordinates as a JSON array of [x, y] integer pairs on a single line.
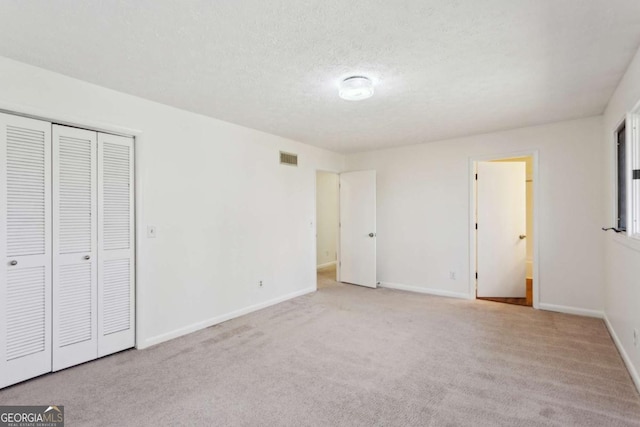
[[151, 231]]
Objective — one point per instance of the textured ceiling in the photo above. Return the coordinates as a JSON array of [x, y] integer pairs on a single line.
[[442, 68]]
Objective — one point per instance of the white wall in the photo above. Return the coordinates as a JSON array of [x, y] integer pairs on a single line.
[[227, 213], [327, 217], [622, 277], [423, 211]]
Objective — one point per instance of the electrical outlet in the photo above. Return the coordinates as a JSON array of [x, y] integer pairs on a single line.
[[151, 231], [260, 283], [452, 275]]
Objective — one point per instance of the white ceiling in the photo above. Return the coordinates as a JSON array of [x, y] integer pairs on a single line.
[[442, 68]]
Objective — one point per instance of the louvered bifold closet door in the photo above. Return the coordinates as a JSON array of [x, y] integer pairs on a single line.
[[116, 269], [25, 248], [75, 235]]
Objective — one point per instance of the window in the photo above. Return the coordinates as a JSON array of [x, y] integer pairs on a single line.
[[621, 223], [634, 173], [627, 156]]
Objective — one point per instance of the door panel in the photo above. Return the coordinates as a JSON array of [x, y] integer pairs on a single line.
[[501, 216], [25, 248], [116, 273], [75, 276], [358, 228]]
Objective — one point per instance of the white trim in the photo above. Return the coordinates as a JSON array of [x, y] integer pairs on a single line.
[[534, 153], [421, 290], [571, 310], [138, 214], [625, 357], [326, 264], [222, 318], [624, 240], [64, 119]]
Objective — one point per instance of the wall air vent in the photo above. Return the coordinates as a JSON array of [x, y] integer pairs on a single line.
[[288, 159]]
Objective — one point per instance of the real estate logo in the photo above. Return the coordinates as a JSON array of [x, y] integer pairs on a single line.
[[32, 416]]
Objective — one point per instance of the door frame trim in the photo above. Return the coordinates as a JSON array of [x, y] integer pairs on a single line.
[[536, 223]]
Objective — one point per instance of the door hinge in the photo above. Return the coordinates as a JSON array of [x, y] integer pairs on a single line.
[[476, 177], [476, 225], [476, 275]]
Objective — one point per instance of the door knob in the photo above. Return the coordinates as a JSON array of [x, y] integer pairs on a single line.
[[372, 234], [14, 262], [522, 236], [87, 257]]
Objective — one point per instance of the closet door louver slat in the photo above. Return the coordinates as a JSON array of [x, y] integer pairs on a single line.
[[116, 301], [25, 312], [25, 248]]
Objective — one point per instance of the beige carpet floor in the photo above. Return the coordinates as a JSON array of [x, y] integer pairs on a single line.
[[352, 356]]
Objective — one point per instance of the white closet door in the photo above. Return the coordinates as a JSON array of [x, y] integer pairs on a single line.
[[75, 233], [25, 248], [116, 268]]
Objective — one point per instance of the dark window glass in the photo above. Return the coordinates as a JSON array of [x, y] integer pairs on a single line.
[[622, 179]]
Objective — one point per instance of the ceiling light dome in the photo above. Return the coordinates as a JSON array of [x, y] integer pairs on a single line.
[[355, 88]]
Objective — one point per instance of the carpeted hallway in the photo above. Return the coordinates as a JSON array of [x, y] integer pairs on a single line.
[[327, 278], [352, 356]]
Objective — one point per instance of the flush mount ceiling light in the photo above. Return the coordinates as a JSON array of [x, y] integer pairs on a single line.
[[355, 88]]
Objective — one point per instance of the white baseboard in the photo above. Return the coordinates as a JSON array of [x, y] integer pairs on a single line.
[[421, 290], [625, 357], [327, 264], [219, 319], [571, 310]]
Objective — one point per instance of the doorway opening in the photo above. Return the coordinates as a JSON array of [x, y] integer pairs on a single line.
[[504, 230], [327, 228]]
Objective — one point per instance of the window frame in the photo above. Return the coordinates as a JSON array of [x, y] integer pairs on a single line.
[[621, 208], [633, 171], [631, 122]]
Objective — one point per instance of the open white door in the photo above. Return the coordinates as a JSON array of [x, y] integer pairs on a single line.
[[502, 216], [358, 228]]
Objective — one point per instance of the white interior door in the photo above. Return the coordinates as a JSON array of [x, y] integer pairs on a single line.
[[75, 233], [501, 218], [25, 248], [358, 228], [116, 262]]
